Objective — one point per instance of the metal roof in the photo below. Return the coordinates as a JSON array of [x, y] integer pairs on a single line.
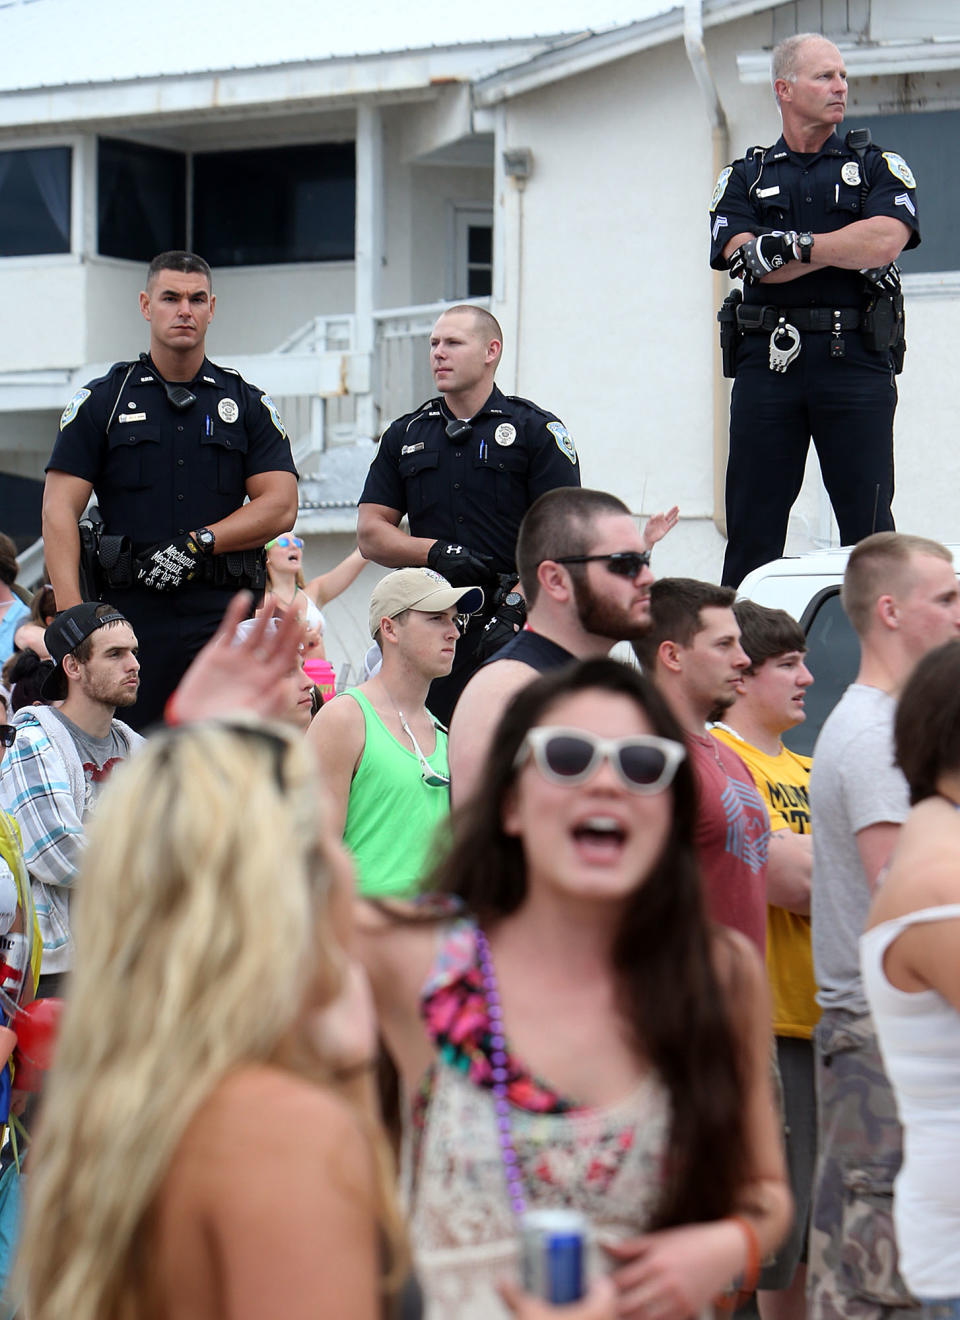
[[61, 43]]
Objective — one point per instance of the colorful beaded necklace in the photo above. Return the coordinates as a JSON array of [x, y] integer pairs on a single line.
[[498, 1058]]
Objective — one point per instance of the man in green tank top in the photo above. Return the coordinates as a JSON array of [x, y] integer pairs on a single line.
[[383, 755]]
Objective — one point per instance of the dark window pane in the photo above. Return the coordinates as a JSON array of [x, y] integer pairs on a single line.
[[34, 201], [920, 139], [277, 205], [833, 658], [479, 283], [141, 200], [479, 244]]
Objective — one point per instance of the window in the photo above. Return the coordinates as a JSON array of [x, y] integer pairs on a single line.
[[833, 658], [275, 205], [141, 200], [921, 139], [35, 201], [473, 252]]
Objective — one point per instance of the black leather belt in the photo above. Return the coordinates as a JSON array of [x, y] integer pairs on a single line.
[[756, 318]]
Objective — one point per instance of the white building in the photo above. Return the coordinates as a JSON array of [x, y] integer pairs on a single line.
[[343, 177]]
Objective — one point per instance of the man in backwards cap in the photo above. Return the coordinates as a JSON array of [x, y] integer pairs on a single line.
[[384, 756], [52, 774]]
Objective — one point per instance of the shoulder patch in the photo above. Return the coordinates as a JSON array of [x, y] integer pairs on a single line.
[[899, 168], [271, 408], [721, 187], [73, 407], [564, 440]]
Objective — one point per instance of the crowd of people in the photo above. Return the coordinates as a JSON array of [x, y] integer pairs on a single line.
[[353, 986]]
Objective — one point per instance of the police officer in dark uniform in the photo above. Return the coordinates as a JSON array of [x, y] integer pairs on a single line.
[[464, 467], [172, 445], [811, 225]]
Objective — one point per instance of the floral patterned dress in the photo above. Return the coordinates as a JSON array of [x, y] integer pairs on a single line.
[[607, 1163]]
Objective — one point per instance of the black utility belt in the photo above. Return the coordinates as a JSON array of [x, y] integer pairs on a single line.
[[118, 564], [755, 318]]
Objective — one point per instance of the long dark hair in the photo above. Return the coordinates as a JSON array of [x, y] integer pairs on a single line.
[[669, 992]]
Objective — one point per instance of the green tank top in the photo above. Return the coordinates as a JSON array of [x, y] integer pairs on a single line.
[[396, 824]]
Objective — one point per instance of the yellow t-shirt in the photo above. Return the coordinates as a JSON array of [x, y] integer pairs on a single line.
[[783, 782]]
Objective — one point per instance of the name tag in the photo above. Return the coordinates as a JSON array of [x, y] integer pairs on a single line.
[[411, 449], [769, 192], [132, 417]]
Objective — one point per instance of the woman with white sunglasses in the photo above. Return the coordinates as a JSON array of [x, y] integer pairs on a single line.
[[571, 1032], [288, 590]]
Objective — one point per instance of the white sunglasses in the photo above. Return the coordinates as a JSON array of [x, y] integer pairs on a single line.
[[643, 762]]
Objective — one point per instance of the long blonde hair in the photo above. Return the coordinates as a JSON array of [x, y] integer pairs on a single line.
[[202, 932]]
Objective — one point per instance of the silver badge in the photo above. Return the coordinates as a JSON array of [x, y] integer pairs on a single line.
[[505, 434], [228, 410], [851, 173]]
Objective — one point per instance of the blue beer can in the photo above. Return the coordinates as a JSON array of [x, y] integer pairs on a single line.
[[553, 1255]]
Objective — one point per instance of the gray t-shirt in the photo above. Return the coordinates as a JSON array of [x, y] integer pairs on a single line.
[[98, 756], [854, 783]]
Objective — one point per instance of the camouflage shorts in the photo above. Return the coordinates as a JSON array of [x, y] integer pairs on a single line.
[[852, 1268]]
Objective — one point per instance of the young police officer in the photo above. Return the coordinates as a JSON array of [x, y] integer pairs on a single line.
[[172, 445], [811, 224], [464, 467]]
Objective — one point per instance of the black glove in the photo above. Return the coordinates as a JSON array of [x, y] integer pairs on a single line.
[[502, 628], [167, 567], [760, 256], [884, 279], [460, 566]]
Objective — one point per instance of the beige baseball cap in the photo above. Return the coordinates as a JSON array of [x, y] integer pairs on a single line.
[[419, 589]]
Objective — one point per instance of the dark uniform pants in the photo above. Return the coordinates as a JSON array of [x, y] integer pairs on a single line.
[[170, 630], [846, 404]]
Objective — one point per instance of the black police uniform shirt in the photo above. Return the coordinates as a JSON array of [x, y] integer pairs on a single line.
[[473, 491], [813, 193], [158, 472]]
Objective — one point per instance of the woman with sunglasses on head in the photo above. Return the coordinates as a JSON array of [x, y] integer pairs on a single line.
[[575, 1034], [288, 590]]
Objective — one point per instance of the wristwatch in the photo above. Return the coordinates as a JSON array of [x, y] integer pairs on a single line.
[[513, 599], [205, 539], [805, 244]]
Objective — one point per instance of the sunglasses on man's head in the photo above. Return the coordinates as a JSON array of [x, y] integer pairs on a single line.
[[8, 735], [644, 762], [285, 543], [625, 563]]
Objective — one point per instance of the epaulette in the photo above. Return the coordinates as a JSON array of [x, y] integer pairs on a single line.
[[529, 403]]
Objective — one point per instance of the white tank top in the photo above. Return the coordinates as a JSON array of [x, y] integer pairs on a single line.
[[919, 1035]]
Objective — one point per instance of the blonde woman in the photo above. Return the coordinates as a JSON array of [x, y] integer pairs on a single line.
[[201, 1151], [288, 590]]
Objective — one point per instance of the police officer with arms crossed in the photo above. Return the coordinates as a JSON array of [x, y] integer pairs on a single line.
[[464, 467], [172, 445], [811, 225]]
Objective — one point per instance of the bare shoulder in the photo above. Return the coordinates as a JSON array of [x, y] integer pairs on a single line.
[[500, 678], [338, 720], [257, 1089]]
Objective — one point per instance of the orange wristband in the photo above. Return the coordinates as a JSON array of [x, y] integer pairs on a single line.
[[742, 1287]]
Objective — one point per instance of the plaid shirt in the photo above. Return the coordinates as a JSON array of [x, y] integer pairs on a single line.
[[36, 789]]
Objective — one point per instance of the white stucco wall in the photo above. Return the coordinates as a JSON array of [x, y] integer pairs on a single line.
[[617, 305]]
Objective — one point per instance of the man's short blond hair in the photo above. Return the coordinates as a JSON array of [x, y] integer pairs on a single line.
[[879, 566]]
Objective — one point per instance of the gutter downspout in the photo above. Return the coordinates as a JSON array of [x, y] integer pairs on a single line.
[[697, 56]]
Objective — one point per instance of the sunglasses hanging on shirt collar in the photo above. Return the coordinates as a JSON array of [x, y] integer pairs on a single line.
[[178, 396]]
